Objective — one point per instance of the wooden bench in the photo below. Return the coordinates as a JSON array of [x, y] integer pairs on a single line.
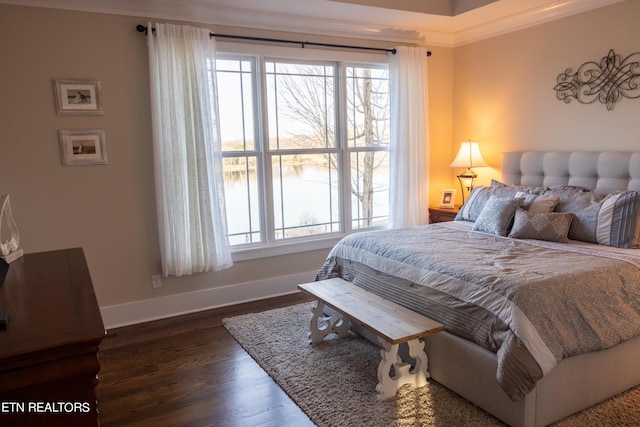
[[392, 323]]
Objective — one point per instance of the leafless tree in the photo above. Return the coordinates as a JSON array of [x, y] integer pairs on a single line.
[[306, 97]]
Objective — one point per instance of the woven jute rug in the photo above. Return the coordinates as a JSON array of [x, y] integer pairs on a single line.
[[334, 382]]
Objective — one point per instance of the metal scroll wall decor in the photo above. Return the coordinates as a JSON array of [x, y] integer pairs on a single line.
[[607, 81]]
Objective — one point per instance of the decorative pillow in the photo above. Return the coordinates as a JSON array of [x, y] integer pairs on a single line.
[[538, 203], [607, 219], [551, 226], [618, 220], [585, 205], [479, 197], [497, 214]]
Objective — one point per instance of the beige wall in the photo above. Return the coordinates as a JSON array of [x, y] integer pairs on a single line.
[[504, 97], [109, 210]]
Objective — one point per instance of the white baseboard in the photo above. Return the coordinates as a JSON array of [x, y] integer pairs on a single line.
[[114, 316]]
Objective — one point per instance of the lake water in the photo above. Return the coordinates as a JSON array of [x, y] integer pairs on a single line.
[[304, 198]]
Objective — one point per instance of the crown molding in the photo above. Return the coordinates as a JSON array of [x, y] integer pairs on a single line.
[[432, 30], [296, 23], [526, 19]]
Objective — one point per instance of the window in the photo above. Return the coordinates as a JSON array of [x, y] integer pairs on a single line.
[[305, 147], [301, 106]]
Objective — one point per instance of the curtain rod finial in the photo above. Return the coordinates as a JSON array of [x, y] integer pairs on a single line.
[[141, 28]]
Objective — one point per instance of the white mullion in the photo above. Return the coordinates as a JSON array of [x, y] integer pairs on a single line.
[[269, 156], [266, 193], [295, 151], [370, 148], [344, 157]]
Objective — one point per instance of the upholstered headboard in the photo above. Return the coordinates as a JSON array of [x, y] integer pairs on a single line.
[[603, 170]]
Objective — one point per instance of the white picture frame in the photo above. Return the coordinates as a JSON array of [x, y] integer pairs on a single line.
[[78, 97], [448, 197], [83, 147]]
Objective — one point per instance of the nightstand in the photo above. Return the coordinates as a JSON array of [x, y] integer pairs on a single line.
[[442, 214]]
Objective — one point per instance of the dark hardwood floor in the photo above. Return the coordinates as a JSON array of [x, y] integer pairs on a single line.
[[189, 371]]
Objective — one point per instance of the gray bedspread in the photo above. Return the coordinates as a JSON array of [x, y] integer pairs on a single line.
[[531, 304]]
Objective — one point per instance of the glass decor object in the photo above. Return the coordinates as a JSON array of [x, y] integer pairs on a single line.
[[9, 249]]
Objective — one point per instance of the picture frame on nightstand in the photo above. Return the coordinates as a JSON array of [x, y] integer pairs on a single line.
[[448, 198]]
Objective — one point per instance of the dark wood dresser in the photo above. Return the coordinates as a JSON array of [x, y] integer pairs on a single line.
[[48, 352]]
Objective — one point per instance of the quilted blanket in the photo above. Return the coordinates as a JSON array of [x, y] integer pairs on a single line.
[[532, 303]]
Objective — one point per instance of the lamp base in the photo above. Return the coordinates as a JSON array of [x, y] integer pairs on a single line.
[[467, 179]]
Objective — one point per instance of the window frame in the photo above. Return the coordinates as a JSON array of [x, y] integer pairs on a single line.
[[259, 55], [336, 149]]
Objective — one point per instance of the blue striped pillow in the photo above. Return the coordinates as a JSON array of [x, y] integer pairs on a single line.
[[618, 220]]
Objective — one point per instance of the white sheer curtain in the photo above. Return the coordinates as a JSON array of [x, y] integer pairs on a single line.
[[187, 150], [409, 186]]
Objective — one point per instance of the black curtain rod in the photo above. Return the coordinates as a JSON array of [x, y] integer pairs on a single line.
[[143, 29]]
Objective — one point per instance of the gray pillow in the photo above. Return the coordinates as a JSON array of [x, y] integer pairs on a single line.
[[479, 196], [603, 218], [538, 203], [585, 205], [497, 214], [550, 226]]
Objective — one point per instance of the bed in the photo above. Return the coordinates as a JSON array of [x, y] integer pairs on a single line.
[[537, 283]]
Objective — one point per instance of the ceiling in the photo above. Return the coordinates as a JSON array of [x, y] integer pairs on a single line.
[[428, 22], [433, 7]]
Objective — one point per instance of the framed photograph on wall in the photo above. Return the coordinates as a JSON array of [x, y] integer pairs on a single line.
[[448, 198], [78, 97], [83, 147]]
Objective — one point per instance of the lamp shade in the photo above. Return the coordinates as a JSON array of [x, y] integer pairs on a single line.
[[469, 156]]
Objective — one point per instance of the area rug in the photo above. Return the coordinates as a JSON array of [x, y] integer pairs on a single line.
[[334, 382]]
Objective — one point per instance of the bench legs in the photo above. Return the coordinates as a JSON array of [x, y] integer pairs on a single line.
[[393, 372], [337, 323]]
